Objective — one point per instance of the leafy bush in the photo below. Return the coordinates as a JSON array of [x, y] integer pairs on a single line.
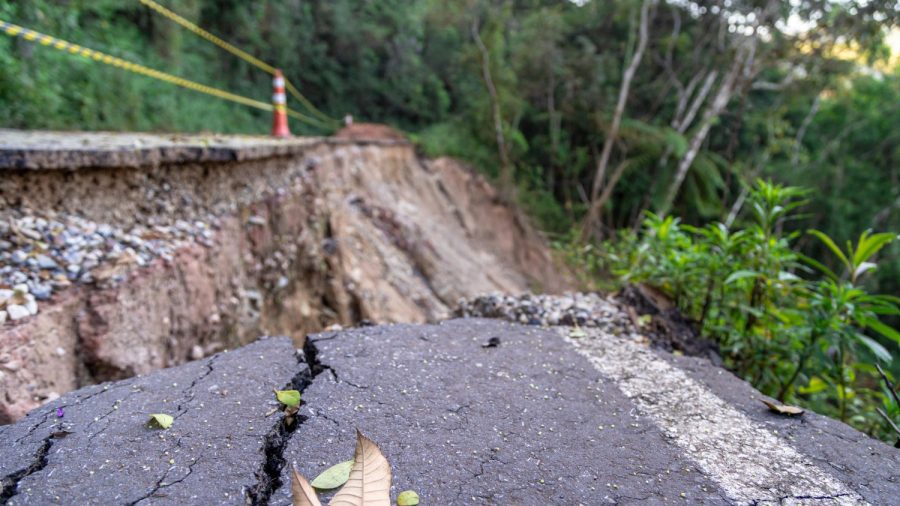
[[792, 327]]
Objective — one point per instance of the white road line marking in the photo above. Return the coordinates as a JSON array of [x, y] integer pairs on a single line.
[[749, 463]]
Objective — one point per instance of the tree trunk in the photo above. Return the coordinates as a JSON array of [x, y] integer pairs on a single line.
[[593, 217], [507, 187], [681, 124], [798, 140], [742, 60], [613, 179]]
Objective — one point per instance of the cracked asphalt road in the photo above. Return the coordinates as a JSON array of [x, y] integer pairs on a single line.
[[538, 419]]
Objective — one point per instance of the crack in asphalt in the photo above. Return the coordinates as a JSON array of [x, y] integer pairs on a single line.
[[10, 482], [188, 394], [160, 484], [268, 476], [100, 390]]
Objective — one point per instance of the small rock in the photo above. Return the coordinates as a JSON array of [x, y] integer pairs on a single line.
[[17, 312], [11, 365], [45, 262], [3, 316], [105, 230], [31, 305], [31, 234], [5, 295], [41, 291], [196, 352], [21, 288]]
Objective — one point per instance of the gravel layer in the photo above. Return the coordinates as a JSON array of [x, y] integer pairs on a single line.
[[574, 309], [44, 252]]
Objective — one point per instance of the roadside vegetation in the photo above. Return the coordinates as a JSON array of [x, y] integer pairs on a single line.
[[794, 328], [740, 155]]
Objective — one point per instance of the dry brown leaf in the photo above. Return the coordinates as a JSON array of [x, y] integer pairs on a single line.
[[783, 409], [301, 491], [370, 477]]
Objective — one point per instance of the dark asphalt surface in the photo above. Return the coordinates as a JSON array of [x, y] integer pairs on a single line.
[[111, 456], [527, 422], [870, 467], [463, 424]]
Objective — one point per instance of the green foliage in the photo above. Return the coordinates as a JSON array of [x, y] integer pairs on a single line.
[[801, 338]]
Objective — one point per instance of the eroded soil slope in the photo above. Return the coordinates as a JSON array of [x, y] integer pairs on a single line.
[[143, 252]]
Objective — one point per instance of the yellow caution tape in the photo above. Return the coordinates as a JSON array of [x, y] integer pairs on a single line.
[[208, 36], [237, 52], [74, 49], [18, 31]]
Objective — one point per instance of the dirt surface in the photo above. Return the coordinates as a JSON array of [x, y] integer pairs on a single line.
[[148, 266], [370, 131], [470, 411]]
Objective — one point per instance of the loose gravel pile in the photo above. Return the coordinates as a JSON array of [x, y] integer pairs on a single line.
[[581, 309], [42, 253]]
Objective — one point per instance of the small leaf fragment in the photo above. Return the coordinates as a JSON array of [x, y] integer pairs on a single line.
[[334, 476], [290, 398], [408, 498], [161, 421], [783, 409], [577, 333], [302, 494]]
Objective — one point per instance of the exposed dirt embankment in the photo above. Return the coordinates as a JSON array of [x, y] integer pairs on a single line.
[[144, 252]]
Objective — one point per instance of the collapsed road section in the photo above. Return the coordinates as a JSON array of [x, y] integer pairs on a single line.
[[470, 411], [124, 253]]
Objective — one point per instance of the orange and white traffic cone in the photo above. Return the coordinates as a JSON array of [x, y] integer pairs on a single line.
[[279, 113]]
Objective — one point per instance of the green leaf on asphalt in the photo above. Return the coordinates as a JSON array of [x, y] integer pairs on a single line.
[[408, 498], [576, 333], [334, 476], [161, 421], [290, 398]]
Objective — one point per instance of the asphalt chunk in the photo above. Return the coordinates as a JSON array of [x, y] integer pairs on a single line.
[[542, 418], [528, 422], [211, 454]]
